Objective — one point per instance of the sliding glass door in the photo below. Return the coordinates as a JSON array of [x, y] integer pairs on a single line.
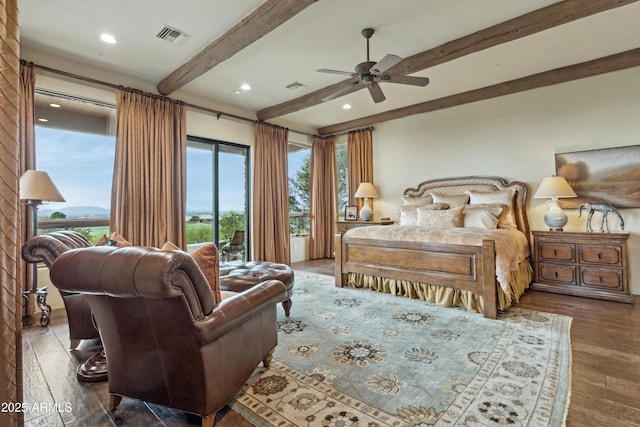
[[218, 197]]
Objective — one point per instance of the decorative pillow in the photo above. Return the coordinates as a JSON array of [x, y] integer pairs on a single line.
[[417, 201], [409, 213], [209, 262], [114, 240], [453, 200], [506, 219], [485, 217], [440, 218], [502, 197], [103, 240], [170, 246]]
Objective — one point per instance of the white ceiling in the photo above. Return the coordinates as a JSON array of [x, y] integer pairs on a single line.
[[324, 35]]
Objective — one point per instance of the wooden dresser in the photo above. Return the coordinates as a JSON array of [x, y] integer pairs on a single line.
[[343, 226], [585, 264]]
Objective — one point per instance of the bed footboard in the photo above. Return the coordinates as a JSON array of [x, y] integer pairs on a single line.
[[464, 267]]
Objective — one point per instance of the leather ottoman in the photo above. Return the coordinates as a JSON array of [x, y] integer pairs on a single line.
[[240, 277]]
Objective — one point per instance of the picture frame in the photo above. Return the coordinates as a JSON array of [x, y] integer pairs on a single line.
[[607, 175], [351, 213]]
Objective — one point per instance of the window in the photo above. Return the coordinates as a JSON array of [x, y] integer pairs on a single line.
[[342, 167], [75, 145], [299, 168], [218, 196]]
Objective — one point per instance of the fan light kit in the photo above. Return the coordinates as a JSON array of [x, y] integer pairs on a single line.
[[369, 73]]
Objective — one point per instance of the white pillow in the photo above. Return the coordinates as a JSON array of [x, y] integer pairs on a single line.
[[440, 218], [417, 201], [453, 200], [409, 213], [482, 217], [502, 197]]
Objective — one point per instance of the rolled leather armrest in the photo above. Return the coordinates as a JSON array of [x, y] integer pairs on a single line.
[[233, 312]]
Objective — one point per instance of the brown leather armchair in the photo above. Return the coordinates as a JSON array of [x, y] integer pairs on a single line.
[[167, 340], [46, 248]]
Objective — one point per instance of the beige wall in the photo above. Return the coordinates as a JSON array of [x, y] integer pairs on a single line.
[[514, 137]]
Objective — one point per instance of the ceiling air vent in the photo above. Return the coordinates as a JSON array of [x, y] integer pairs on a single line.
[[294, 86], [172, 35]]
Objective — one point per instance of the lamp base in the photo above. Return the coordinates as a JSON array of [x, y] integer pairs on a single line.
[[366, 213], [555, 218]]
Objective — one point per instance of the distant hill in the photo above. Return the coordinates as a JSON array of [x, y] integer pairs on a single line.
[[77, 212]]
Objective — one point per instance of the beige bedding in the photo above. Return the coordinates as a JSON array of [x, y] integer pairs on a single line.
[[511, 245]]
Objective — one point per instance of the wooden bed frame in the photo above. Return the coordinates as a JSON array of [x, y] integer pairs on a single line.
[[463, 267]]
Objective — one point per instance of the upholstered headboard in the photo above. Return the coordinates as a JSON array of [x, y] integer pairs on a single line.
[[458, 185]]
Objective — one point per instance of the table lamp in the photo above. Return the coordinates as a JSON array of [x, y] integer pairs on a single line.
[[552, 188], [366, 190]]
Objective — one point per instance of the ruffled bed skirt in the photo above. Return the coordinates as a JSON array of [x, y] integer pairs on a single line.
[[446, 297]]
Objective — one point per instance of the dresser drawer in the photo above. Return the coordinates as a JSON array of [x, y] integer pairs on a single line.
[[554, 251], [555, 273], [601, 278], [605, 255]]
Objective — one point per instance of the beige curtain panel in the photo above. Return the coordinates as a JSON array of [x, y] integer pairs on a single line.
[[149, 181], [271, 195], [323, 198], [11, 230], [360, 159], [27, 161]]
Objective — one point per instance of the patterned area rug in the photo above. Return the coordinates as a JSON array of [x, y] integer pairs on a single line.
[[355, 357]]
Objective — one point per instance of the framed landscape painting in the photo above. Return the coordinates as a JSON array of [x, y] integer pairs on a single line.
[[609, 175]]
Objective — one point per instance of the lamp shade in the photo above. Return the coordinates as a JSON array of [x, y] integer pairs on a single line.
[[366, 190], [554, 186], [37, 185]]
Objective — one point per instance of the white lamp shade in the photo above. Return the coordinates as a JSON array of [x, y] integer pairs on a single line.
[[554, 186], [366, 190], [37, 185]]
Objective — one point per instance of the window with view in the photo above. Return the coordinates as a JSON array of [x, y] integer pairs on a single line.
[[218, 197], [75, 145], [299, 168]]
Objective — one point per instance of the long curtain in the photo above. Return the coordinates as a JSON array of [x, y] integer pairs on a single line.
[[149, 180], [11, 280], [271, 195], [323, 198], [27, 161], [360, 160]]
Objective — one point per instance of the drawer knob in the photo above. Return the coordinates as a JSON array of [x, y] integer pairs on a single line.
[[555, 252], [556, 273], [600, 278], [599, 255]]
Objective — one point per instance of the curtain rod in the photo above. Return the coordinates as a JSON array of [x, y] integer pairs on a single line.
[[217, 113]]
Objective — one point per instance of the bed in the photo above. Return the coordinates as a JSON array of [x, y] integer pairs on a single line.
[[481, 269]]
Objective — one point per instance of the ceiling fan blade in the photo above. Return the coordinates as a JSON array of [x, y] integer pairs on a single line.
[[384, 64], [404, 80], [376, 92], [346, 73], [348, 84]]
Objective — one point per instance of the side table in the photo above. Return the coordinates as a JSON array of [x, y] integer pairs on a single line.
[[344, 226]]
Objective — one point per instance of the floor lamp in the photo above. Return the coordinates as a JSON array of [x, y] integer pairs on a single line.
[[36, 187]]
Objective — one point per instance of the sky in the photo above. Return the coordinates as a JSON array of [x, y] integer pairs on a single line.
[[81, 166]]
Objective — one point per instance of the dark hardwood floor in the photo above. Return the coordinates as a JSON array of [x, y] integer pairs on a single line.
[[605, 340]]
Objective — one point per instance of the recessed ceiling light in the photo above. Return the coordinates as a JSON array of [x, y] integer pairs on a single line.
[[108, 38], [346, 107], [236, 92], [43, 120], [245, 86], [54, 105]]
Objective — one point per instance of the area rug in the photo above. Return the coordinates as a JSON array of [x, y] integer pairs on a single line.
[[356, 357]]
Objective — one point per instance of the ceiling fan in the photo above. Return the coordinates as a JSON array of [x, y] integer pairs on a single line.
[[369, 73]]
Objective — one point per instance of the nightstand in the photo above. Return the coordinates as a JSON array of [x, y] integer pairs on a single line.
[[343, 226], [592, 265]]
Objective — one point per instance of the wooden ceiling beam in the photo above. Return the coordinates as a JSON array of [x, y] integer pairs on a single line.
[[619, 61], [513, 29], [267, 17]]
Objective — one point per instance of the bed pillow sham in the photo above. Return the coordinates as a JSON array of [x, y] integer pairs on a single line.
[[409, 213], [482, 216], [452, 217], [453, 200]]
